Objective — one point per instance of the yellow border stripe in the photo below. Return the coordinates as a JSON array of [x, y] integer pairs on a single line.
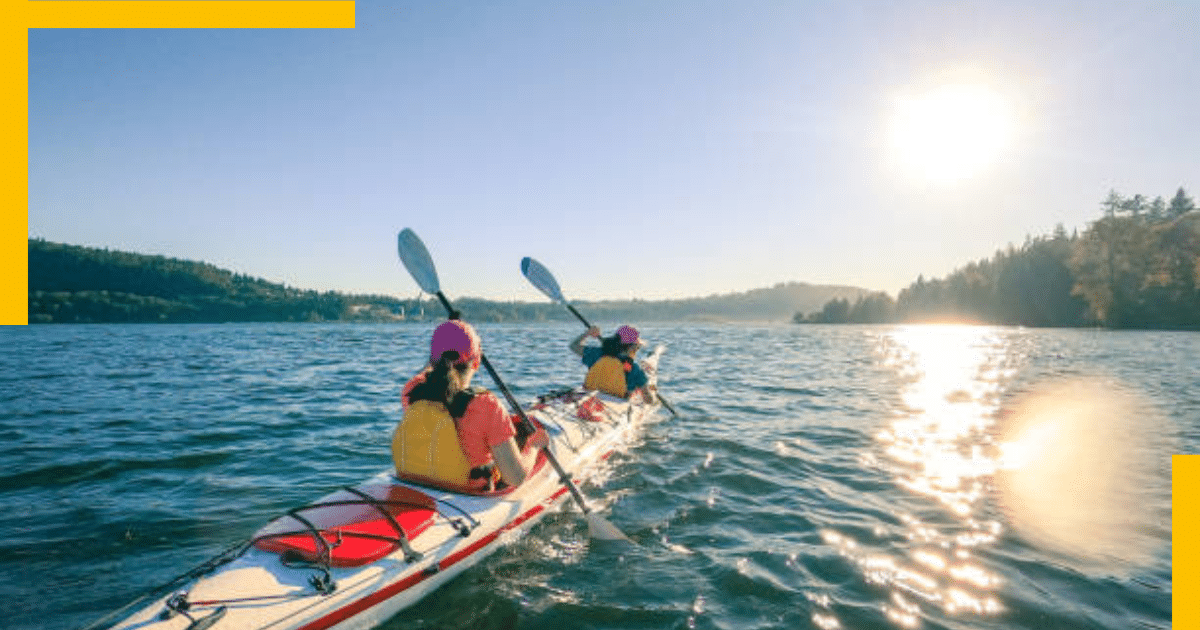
[[14, 86], [1185, 540], [189, 14], [14, 164]]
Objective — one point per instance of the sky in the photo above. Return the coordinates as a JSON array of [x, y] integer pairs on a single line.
[[645, 150]]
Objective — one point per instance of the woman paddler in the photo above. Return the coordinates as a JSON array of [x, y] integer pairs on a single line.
[[454, 436], [611, 365]]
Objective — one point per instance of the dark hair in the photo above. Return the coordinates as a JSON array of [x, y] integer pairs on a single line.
[[438, 386], [613, 347]]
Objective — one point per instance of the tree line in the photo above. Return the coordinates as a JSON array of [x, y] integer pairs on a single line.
[[70, 283], [75, 284], [1136, 266]]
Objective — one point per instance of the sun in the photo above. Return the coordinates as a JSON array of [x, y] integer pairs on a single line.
[[950, 133]]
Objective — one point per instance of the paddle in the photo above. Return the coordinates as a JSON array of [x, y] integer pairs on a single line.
[[420, 265], [540, 277]]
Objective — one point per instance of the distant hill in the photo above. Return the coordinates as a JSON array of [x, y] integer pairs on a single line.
[[70, 283], [776, 303]]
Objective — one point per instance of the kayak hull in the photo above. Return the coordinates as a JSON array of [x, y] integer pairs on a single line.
[[260, 586]]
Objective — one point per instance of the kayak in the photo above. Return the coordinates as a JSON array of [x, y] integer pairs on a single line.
[[357, 556]]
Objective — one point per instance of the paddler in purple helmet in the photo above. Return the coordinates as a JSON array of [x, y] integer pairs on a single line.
[[455, 436], [611, 365]]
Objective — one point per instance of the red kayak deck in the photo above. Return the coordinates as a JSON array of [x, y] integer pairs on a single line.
[[356, 529]]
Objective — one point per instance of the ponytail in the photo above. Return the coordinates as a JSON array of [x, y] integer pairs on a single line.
[[443, 384]]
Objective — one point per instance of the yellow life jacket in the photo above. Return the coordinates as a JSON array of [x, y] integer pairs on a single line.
[[425, 447], [607, 374]]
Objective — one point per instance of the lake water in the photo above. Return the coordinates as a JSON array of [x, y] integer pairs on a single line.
[[816, 477]]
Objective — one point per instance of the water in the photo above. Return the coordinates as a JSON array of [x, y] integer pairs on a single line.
[[817, 477]]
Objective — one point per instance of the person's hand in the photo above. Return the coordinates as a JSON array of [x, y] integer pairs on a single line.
[[594, 331]]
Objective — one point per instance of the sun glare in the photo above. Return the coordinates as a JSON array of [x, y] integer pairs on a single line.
[[950, 133], [1078, 475]]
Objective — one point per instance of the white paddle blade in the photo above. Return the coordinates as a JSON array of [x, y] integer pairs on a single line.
[[601, 529], [417, 260], [540, 277]]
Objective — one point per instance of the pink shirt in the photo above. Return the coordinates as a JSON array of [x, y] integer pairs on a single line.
[[484, 424]]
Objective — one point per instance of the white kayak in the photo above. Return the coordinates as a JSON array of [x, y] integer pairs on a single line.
[[360, 555]]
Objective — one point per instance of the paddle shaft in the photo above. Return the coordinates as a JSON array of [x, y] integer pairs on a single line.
[[576, 314], [525, 422]]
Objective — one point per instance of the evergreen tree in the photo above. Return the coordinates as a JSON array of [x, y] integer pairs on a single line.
[[1180, 205]]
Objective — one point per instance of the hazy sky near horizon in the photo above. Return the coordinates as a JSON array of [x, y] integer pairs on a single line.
[[638, 150]]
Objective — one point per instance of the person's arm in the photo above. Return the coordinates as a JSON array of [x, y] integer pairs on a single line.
[[577, 345], [636, 379], [514, 463]]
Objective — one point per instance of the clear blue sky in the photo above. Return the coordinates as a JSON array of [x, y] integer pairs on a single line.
[[638, 149]]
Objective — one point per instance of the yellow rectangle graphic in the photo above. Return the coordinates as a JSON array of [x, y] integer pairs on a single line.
[[1185, 540], [14, 216], [189, 14]]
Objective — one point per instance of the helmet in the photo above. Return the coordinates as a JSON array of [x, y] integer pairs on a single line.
[[628, 335], [456, 336]]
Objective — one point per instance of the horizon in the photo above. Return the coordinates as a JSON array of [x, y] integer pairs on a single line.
[[659, 152], [426, 296]]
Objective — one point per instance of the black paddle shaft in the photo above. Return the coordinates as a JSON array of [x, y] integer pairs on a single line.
[[581, 317]]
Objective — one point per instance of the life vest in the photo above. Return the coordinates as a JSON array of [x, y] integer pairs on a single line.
[[607, 374], [426, 450]]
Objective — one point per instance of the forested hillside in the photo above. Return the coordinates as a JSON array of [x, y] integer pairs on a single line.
[[1137, 266], [69, 283]]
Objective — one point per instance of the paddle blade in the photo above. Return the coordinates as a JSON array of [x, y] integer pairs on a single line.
[[417, 260], [601, 529], [540, 277]]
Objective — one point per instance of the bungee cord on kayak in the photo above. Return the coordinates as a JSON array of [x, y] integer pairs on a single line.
[[323, 560], [292, 557]]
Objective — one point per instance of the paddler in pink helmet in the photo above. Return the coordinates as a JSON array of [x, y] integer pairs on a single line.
[[611, 365], [455, 436]]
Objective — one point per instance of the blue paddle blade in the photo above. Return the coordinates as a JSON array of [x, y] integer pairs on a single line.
[[540, 277], [417, 260]]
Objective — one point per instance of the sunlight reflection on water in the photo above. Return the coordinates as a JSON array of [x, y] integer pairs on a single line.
[[938, 447], [1059, 462]]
